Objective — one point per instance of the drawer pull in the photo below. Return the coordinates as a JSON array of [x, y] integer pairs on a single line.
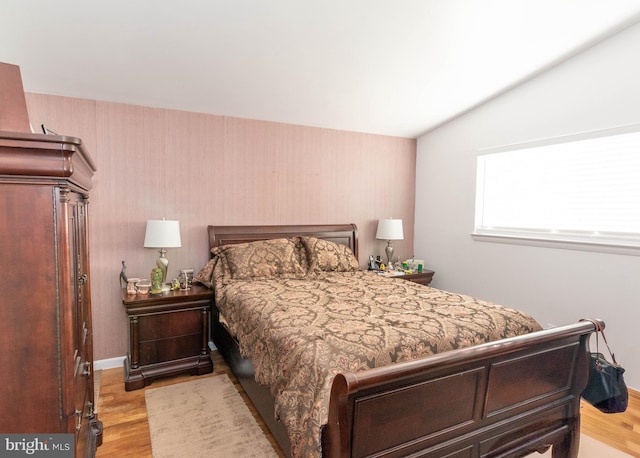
[[79, 418]]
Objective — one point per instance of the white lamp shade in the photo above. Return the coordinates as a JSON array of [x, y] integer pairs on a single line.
[[390, 229], [162, 234]]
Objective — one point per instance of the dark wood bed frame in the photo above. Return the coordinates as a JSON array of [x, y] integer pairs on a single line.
[[505, 398]]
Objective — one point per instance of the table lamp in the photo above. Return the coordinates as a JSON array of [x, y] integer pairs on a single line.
[[389, 229], [162, 234]]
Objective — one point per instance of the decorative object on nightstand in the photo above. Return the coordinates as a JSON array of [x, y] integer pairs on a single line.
[[123, 275], [143, 286], [414, 265], [186, 276], [156, 280], [131, 285], [389, 229], [162, 234]]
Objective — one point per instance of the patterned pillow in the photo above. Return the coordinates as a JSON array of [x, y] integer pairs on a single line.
[[205, 274], [262, 259], [327, 256]]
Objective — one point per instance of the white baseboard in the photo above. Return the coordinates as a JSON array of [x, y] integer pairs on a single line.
[[108, 363]]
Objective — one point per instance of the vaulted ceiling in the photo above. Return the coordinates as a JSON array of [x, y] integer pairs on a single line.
[[392, 67]]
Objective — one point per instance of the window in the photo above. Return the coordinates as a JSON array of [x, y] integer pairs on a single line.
[[582, 189]]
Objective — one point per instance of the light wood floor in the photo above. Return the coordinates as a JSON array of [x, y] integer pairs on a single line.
[[124, 413], [126, 429], [620, 430]]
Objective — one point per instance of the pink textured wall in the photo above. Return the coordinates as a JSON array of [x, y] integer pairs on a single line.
[[207, 169]]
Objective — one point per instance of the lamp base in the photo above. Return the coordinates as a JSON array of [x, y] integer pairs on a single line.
[[389, 250], [163, 263]]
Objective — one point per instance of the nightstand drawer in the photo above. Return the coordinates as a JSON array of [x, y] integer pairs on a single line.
[[158, 351], [165, 325], [170, 336]]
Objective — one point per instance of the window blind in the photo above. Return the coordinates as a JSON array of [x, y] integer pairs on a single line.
[[581, 188]]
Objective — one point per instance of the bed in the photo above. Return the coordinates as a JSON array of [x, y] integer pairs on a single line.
[[453, 396]]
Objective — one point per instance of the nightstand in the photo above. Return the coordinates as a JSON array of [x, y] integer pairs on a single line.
[[168, 334], [424, 277]]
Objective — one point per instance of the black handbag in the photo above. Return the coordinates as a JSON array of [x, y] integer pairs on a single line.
[[606, 389]]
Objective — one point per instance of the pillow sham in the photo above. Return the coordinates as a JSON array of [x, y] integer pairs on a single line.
[[328, 256], [262, 259], [204, 276]]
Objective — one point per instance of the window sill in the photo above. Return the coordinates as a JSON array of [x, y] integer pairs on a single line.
[[599, 247]]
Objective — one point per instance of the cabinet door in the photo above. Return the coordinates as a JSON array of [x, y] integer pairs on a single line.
[[30, 396], [84, 372], [75, 298]]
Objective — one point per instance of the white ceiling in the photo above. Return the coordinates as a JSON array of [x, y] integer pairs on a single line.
[[393, 67]]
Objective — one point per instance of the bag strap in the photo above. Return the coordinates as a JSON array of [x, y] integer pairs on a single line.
[[600, 330]]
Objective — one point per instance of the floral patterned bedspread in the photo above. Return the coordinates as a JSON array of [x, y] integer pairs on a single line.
[[300, 332]]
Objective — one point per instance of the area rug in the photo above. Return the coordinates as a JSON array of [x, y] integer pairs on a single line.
[[203, 417]]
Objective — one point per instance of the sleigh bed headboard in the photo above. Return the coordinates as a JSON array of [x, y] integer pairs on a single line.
[[343, 234]]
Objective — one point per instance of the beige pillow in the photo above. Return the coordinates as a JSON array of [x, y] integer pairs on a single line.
[[205, 274], [327, 256], [262, 259]]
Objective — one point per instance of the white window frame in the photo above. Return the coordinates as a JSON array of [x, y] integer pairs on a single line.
[[609, 242]]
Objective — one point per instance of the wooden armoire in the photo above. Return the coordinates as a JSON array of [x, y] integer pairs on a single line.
[[46, 328], [46, 355]]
